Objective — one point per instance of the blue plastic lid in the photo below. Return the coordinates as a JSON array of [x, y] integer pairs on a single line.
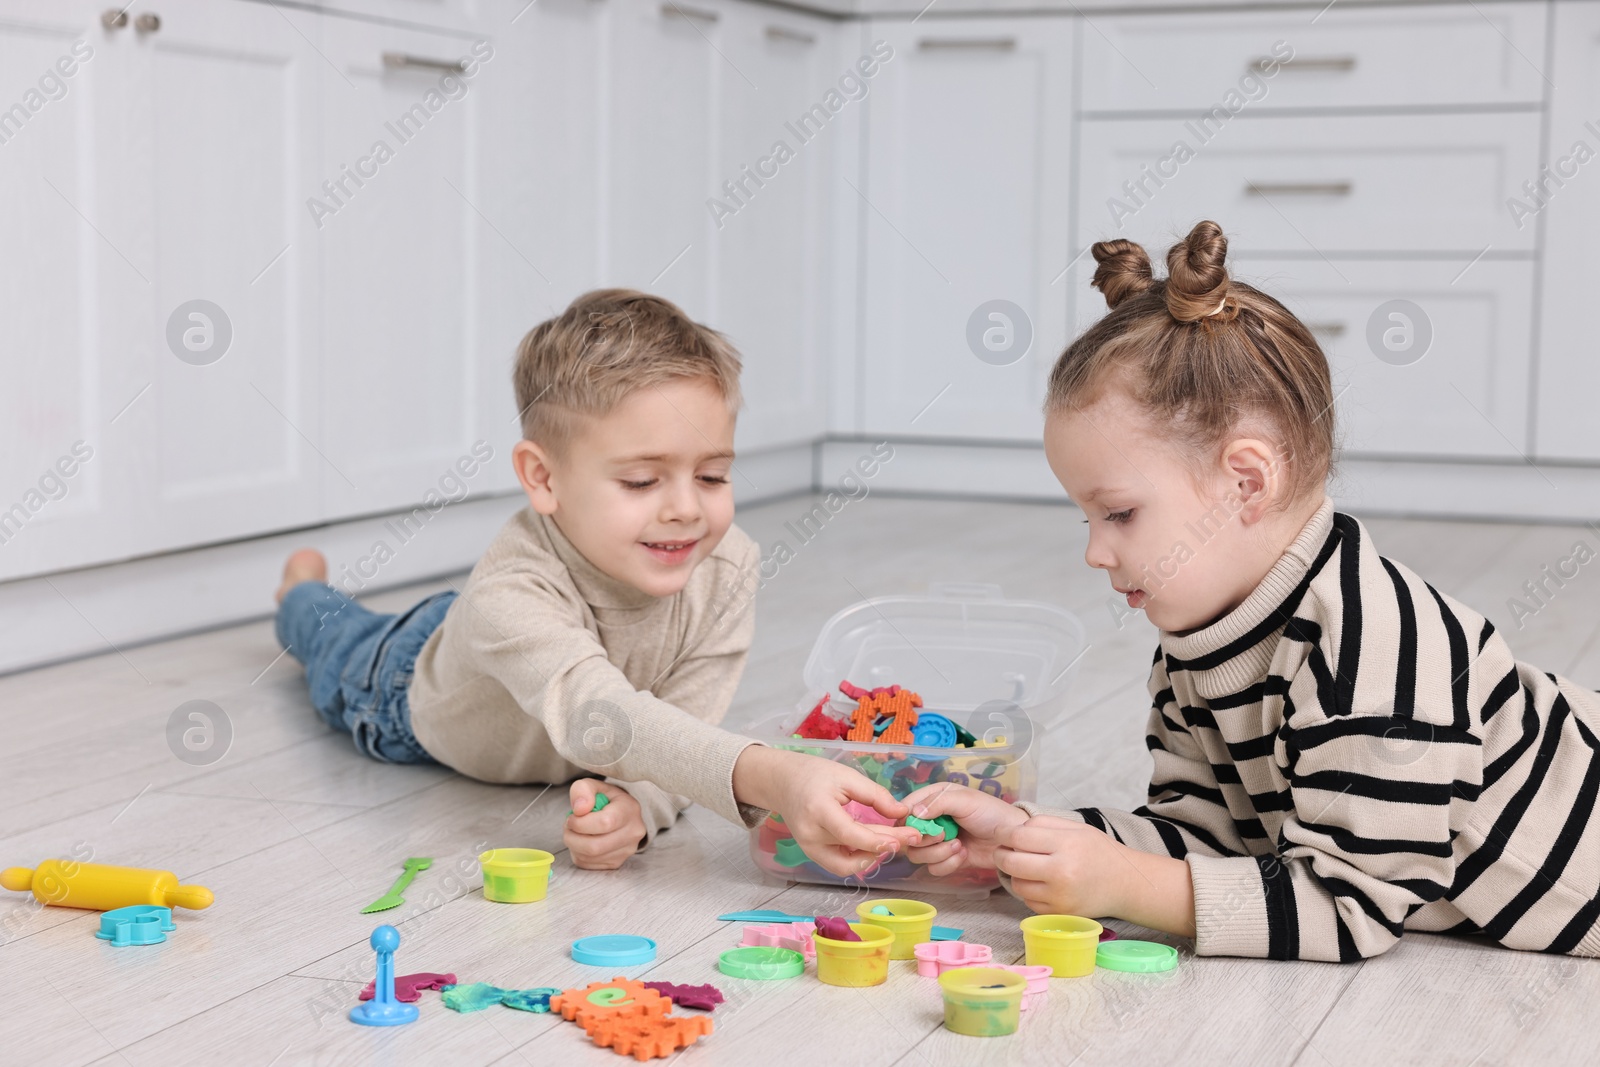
[[613, 950]]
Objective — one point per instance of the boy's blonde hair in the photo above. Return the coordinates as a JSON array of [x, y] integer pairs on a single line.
[[1204, 355], [605, 345]]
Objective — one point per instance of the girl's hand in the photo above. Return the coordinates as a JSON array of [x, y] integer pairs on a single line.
[[810, 793], [1065, 867], [602, 840], [980, 816]]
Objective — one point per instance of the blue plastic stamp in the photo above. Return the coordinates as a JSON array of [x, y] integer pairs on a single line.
[[934, 731], [383, 1009]]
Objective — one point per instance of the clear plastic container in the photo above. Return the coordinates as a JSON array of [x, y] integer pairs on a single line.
[[999, 668]]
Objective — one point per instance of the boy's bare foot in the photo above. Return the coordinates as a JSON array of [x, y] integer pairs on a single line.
[[304, 565]]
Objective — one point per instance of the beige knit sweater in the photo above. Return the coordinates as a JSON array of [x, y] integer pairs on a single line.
[[1350, 754], [545, 668]]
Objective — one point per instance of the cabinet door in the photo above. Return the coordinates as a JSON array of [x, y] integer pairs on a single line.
[[539, 182], [666, 68], [1568, 375], [63, 356], [397, 227], [771, 221], [223, 134], [963, 203]]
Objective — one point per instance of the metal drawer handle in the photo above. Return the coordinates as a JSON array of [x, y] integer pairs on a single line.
[[1342, 64], [402, 61], [1326, 329], [1298, 188], [997, 44], [671, 10], [783, 33]]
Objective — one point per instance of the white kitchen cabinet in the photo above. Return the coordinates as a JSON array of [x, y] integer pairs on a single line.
[[665, 71], [1567, 375], [770, 235], [66, 284], [1341, 56], [399, 378], [964, 202], [186, 184], [1319, 185], [540, 194]]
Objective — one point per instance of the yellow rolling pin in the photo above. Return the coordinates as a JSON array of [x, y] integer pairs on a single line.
[[70, 884]]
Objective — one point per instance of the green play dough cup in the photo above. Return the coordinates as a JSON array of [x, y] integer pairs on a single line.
[[515, 875]]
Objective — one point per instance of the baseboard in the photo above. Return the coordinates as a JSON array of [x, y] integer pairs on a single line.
[[1495, 492], [99, 609], [109, 608]]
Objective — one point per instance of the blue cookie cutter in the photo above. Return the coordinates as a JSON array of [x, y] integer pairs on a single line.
[[139, 924]]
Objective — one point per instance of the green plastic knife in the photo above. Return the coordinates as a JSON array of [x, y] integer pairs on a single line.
[[393, 899]]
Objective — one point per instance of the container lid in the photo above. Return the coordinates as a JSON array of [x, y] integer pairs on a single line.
[[761, 963], [1140, 957], [613, 950], [961, 647]]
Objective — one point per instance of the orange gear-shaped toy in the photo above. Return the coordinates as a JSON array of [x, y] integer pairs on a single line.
[[619, 998], [643, 1037]]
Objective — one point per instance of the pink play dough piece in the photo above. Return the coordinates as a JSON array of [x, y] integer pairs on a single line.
[[865, 815], [408, 987]]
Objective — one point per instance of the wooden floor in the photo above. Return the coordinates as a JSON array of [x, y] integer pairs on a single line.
[[295, 832]]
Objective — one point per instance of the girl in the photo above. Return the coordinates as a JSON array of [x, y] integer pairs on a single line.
[[1342, 753]]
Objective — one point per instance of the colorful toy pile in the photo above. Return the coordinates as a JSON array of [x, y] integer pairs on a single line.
[[981, 998], [894, 740]]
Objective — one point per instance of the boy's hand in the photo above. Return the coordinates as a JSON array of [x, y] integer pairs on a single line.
[[810, 793], [980, 816], [602, 840], [1065, 867]]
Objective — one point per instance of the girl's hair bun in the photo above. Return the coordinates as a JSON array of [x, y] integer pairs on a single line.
[[1123, 271], [1197, 276]]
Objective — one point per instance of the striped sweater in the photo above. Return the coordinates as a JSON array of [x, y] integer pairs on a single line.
[[1350, 754]]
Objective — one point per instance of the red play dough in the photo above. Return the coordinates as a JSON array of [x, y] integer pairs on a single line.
[[408, 987]]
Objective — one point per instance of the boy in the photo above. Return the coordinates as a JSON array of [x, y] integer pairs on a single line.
[[595, 635]]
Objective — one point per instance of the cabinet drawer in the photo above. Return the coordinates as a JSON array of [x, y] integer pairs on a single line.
[[1324, 184], [1349, 57], [1465, 396]]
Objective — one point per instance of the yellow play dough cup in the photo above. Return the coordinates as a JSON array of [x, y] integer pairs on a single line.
[[515, 875], [854, 963], [982, 1001], [910, 921], [1064, 943]]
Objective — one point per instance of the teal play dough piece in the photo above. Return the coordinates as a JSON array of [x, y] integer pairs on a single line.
[[1142, 957], [470, 998], [534, 1000], [881, 909], [944, 824], [788, 854], [600, 802]]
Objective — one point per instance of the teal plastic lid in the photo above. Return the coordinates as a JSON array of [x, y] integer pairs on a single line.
[[1140, 957], [761, 963], [613, 950]]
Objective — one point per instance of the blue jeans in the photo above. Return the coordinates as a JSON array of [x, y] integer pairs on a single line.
[[358, 664]]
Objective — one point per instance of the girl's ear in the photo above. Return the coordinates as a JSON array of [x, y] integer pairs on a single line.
[[537, 475], [1255, 477]]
